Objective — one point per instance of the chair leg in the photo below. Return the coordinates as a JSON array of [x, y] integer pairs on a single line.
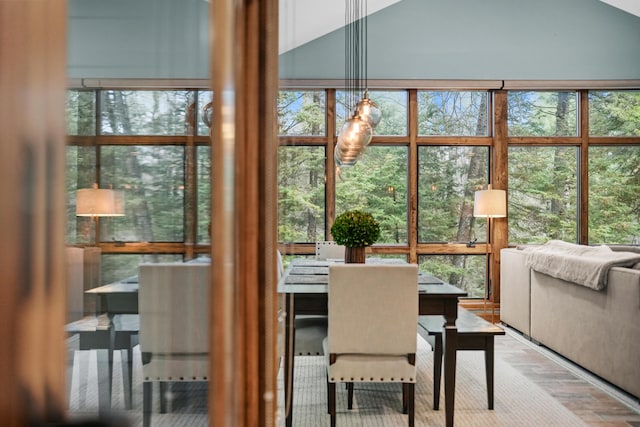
[[128, 392], [350, 395], [437, 372], [411, 403], [328, 396], [164, 387], [405, 407], [488, 365], [147, 390], [332, 403]]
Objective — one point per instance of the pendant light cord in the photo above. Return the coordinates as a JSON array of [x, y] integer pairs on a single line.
[[356, 51]]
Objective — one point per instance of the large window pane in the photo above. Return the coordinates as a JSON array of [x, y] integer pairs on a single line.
[[126, 112], [117, 267], [614, 195], [448, 176], [614, 113], [393, 105], [204, 193], [152, 179], [301, 194], [378, 184], [467, 272], [81, 112], [80, 173], [301, 112], [542, 113], [542, 194], [453, 113]]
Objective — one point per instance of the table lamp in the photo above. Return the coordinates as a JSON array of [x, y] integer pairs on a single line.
[[95, 202], [489, 204]]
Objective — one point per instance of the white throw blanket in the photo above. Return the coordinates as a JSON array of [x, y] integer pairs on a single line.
[[585, 265]]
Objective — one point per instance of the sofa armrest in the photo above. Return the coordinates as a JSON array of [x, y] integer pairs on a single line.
[[515, 290]]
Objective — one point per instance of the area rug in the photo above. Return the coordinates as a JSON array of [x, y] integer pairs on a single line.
[[517, 401]]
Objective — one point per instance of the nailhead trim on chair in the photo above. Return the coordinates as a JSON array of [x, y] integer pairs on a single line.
[[333, 379]]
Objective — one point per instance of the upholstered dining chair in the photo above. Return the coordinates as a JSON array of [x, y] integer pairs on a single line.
[[328, 249], [372, 335], [310, 330], [173, 303]]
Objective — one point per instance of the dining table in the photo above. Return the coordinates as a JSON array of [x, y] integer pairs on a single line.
[[119, 301], [304, 287], [117, 298], [121, 297]]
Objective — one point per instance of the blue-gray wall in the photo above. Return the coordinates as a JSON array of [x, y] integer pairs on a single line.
[[138, 39], [412, 39]]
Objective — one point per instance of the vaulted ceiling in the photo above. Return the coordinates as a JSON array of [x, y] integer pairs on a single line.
[[630, 6], [304, 20]]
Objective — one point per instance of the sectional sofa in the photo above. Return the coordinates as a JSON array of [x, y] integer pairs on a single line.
[[597, 329]]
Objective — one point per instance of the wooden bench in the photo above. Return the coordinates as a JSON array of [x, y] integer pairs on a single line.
[[94, 333], [474, 333]]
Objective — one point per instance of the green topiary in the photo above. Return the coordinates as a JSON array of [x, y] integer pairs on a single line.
[[355, 229]]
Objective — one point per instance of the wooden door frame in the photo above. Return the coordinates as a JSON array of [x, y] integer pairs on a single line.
[[244, 63]]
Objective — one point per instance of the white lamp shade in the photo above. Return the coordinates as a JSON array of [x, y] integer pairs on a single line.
[[490, 203], [98, 202]]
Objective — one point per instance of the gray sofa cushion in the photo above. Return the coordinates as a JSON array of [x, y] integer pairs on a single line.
[[625, 248]]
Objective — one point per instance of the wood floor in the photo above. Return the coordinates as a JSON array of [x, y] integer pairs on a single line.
[[596, 403]]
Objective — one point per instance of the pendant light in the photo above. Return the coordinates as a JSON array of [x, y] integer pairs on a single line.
[[368, 110], [352, 141], [357, 131]]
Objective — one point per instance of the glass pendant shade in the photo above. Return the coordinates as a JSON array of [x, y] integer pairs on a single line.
[[207, 114], [368, 111], [346, 156], [354, 137]]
